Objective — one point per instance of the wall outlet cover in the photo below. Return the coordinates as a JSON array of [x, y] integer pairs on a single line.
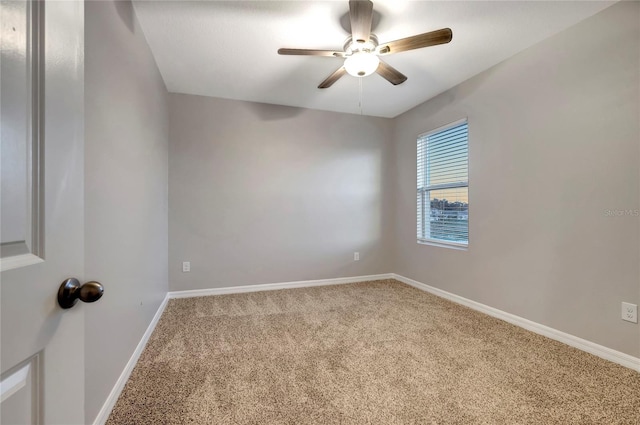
[[630, 312]]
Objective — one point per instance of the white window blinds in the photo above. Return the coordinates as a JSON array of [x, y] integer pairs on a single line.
[[443, 185]]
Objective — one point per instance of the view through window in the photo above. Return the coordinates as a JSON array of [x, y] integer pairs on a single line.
[[443, 185]]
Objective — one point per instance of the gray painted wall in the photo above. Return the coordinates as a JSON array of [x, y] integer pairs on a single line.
[[126, 107], [554, 145], [262, 193]]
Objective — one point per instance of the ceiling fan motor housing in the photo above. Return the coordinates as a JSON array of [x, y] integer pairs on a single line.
[[351, 46]]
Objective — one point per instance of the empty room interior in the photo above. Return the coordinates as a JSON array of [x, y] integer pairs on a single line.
[[332, 212]]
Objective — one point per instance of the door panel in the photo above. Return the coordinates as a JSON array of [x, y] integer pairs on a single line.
[[32, 324], [20, 393], [21, 113]]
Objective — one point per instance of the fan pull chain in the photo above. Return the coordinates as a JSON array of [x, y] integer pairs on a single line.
[[360, 94]]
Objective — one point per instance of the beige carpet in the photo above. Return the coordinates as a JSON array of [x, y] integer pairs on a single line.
[[365, 353]]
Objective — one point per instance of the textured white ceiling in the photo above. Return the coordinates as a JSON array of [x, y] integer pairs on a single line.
[[229, 49]]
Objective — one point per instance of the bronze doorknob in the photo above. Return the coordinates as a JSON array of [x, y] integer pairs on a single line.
[[71, 291]]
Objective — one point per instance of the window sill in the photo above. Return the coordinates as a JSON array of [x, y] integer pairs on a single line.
[[450, 245]]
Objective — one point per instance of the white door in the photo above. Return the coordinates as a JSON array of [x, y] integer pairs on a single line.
[[42, 345]]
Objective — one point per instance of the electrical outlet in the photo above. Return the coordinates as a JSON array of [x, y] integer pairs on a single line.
[[630, 312], [186, 266], [356, 256]]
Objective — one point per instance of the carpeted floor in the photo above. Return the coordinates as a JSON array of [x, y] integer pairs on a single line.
[[366, 353]]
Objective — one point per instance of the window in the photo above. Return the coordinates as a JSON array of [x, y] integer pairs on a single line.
[[443, 185]]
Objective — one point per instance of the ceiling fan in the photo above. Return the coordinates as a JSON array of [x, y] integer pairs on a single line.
[[362, 51]]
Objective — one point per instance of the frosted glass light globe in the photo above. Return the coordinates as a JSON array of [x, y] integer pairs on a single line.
[[361, 64]]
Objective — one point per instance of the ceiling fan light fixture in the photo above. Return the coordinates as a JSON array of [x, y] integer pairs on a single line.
[[361, 49], [361, 64]]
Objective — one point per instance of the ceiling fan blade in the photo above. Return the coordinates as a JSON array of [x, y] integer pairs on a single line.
[[427, 39], [391, 74], [311, 52], [332, 78], [360, 14]]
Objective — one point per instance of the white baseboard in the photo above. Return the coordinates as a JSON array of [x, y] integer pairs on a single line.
[[276, 286], [108, 405], [571, 340]]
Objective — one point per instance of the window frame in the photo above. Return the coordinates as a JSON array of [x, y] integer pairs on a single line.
[[420, 209]]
